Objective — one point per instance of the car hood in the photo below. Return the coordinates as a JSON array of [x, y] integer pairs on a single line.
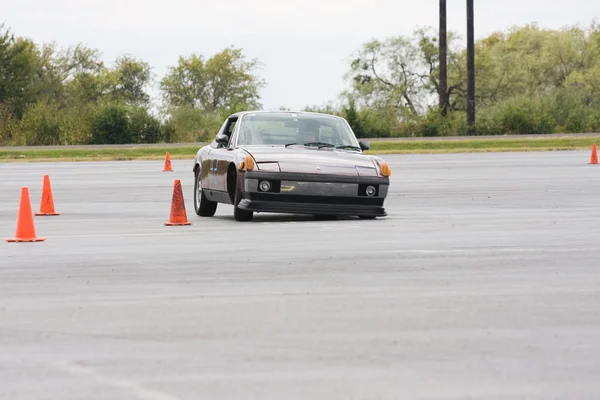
[[313, 160]]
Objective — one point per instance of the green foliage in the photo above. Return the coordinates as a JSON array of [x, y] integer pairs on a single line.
[[111, 126], [41, 125], [9, 125], [17, 71], [517, 115], [122, 124], [224, 81], [52, 96], [189, 124], [128, 81], [528, 80]]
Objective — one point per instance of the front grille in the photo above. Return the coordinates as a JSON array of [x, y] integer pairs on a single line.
[[364, 201]]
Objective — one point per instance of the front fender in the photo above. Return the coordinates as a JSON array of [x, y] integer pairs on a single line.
[[201, 154]]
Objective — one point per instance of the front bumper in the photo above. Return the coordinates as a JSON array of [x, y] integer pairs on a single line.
[[298, 193]]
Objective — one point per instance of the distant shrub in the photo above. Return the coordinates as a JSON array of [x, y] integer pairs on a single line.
[[111, 125], [41, 125]]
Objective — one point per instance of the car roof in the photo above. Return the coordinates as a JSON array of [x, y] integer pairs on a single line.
[[242, 113]]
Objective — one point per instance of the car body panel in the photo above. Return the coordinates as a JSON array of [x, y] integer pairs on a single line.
[[307, 179], [313, 160], [309, 155]]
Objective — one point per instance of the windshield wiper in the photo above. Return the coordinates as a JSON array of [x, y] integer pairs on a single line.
[[319, 144], [347, 146]]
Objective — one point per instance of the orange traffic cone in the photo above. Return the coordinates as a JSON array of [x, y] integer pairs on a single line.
[[178, 214], [594, 158], [25, 227], [167, 163], [47, 203]]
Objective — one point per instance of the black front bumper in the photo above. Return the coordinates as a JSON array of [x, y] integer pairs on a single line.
[[306, 194], [311, 208]]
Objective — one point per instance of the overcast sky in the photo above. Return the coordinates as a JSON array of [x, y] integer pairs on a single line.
[[304, 45]]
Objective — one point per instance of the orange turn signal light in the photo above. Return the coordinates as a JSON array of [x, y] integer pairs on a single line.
[[241, 166], [249, 163], [385, 169]]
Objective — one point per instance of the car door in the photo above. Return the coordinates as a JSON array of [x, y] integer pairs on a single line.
[[207, 169], [220, 157]]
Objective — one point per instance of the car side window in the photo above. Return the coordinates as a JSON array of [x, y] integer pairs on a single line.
[[230, 132], [225, 130], [214, 143]]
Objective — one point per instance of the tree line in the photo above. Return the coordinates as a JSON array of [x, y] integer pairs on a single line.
[[528, 80]]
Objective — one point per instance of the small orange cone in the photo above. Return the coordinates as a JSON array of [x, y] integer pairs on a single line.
[[594, 159], [178, 214], [167, 163], [25, 227], [47, 203]]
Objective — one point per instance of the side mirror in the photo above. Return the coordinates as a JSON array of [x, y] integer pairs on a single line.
[[364, 145], [222, 139]]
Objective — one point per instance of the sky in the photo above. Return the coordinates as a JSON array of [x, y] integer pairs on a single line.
[[304, 46]]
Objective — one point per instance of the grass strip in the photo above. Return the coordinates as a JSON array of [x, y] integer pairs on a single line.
[[486, 146], [380, 148]]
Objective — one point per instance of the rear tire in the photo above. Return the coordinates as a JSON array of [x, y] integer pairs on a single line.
[[202, 206]]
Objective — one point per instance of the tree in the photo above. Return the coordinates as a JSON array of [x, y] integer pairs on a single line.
[[398, 72], [224, 81], [128, 81], [17, 71]]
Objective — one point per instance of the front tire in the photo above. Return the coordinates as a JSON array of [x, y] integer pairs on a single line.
[[202, 206], [238, 213]]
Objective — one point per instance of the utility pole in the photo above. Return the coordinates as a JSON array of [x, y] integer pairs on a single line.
[[470, 64], [443, 84]]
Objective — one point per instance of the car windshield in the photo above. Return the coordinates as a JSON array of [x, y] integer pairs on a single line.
[[288, 128]]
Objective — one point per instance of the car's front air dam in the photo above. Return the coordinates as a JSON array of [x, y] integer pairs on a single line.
[[314, 194], [312, 208]]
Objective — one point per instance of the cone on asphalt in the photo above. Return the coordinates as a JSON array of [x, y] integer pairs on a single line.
[[178, 214], [594, 158], [47, 202], [167, 167], [25, 231]]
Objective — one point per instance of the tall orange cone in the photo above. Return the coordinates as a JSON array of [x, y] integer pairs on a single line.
[[167, 167], [594, 158], [47, 203], [25, 227], [178, 214]]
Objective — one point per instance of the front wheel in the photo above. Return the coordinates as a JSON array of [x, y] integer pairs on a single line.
[[238, 213], [202, 206]]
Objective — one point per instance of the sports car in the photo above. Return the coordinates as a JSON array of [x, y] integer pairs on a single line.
[[289, 162]]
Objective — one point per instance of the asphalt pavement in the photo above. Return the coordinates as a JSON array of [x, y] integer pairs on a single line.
[[482, 283]]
